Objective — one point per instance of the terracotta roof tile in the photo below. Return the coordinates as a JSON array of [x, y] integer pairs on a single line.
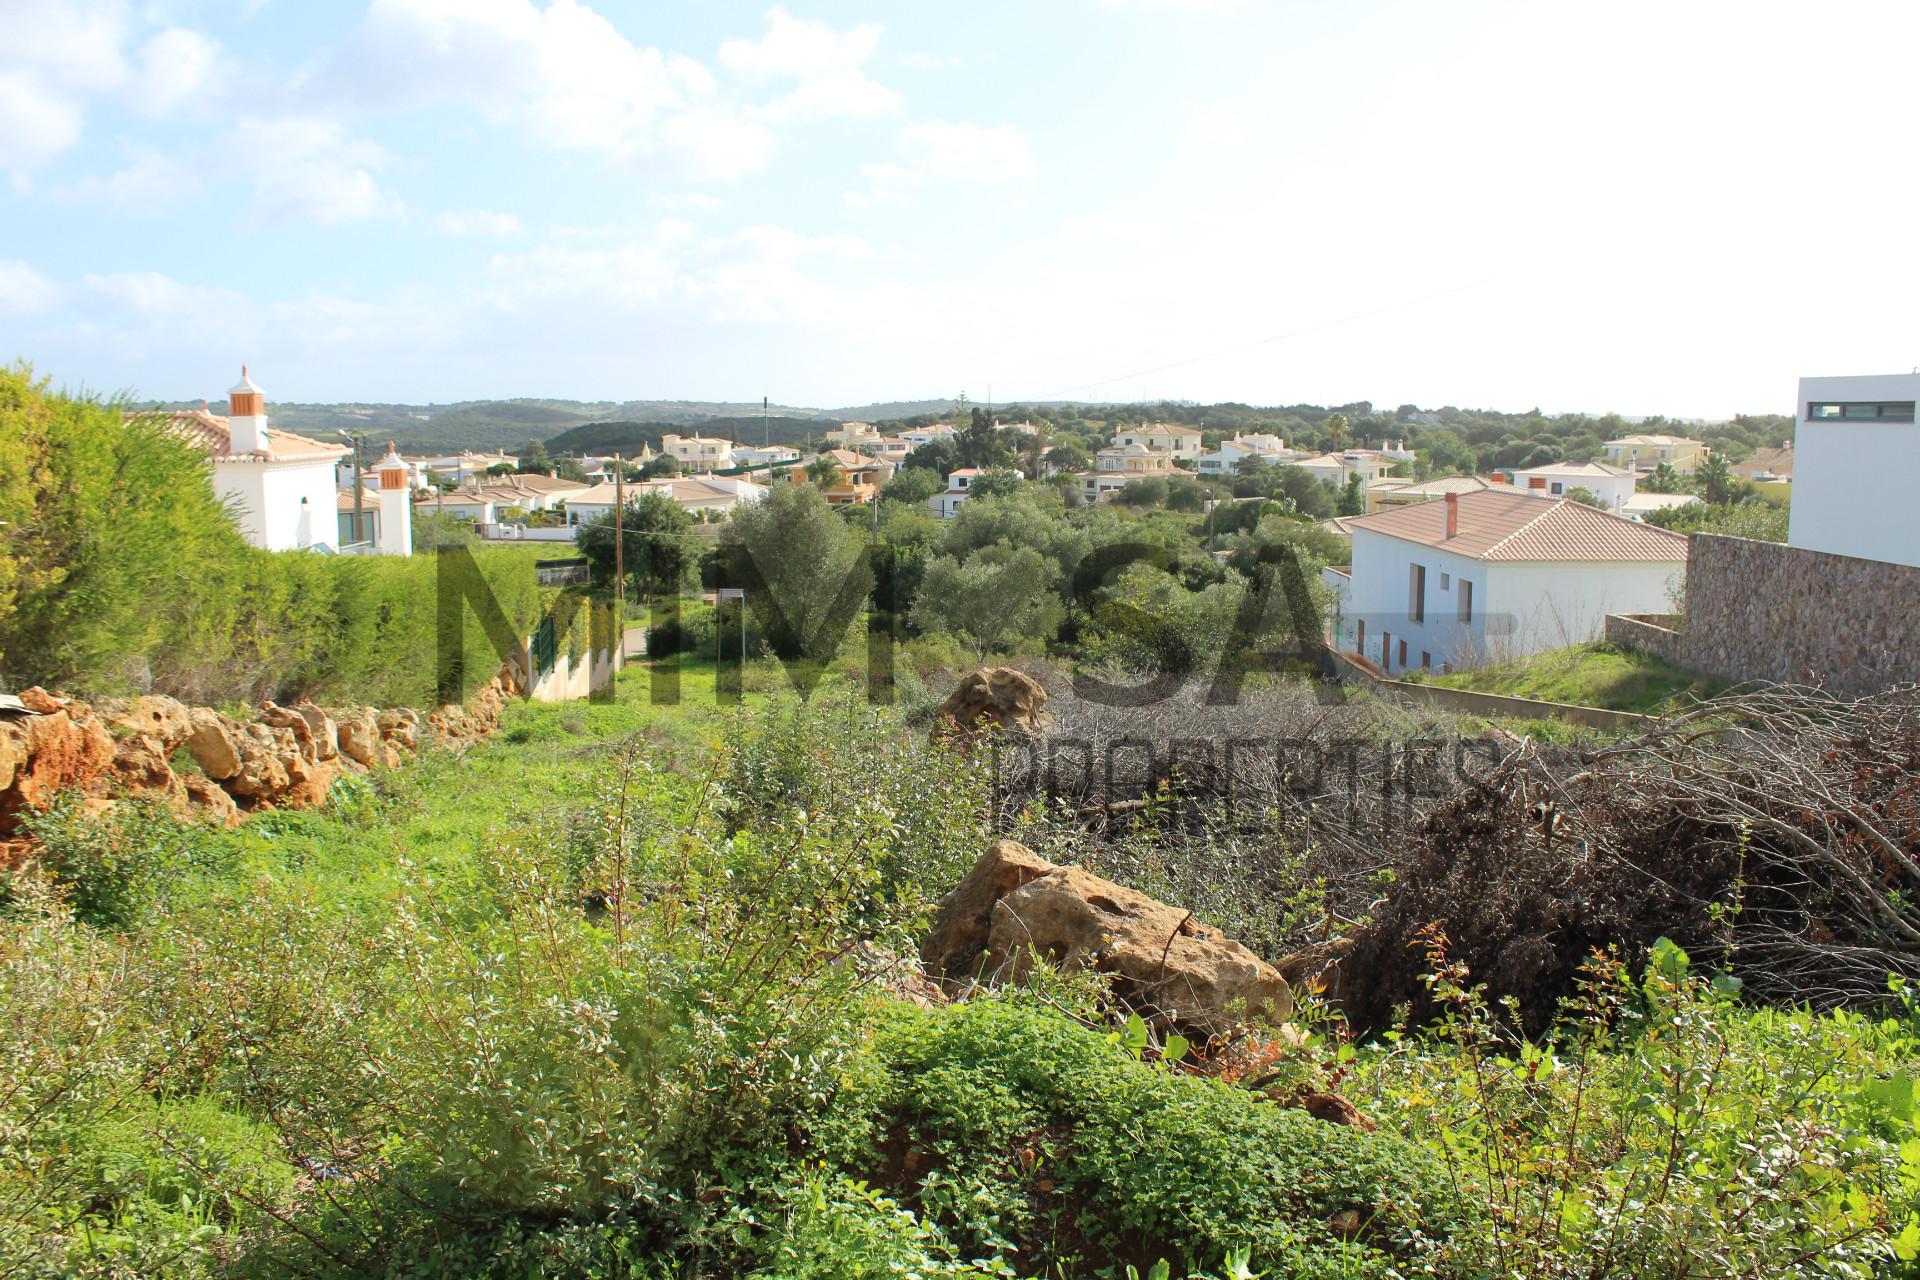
[[1517, 526], [214, 433]]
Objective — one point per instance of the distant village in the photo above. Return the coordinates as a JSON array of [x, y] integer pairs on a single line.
[[1442, 573]]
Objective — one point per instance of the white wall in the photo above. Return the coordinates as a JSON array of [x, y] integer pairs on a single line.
[[1854, 482], [1519, 608], [268, 502], [1612, 490]]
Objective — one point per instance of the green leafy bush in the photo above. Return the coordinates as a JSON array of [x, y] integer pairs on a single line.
[[1022, 1132]]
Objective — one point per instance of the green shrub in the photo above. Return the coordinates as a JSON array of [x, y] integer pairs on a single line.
[[111, 868], [1020, 1131]]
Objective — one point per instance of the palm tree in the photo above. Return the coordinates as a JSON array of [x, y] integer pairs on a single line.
[[823, 470]]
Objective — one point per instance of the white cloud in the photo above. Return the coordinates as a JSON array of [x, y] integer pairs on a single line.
[[563, 72], [824, 60], [36, 122], [478, 222], [24, 289], [950, 152], [919, 60], [177, 66], [151, 183], [717, 145], [307, 169]]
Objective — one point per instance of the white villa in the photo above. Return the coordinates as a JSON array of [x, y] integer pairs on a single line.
[[1856, 451], [702, 453], [1611, 484], [699, 494], [918, 436], [1337, 468], [945, 505], [1482, 577], [1165, 437], [280, 485], [1262, 447], [773, 455], [1117, 466]]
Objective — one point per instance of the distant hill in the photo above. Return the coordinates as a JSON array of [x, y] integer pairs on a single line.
[[627, 436], [507, 424]]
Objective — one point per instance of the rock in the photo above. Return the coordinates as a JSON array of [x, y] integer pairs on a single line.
[[320, 726], [996, 697], [165, 720], [211, 742], [897, 975], [140, 763], [957, 944], [1334, 1109], [264, 753], [399, 729], [358, 736], [65, 746], [275, 716], [209, 800], [1164, 964]]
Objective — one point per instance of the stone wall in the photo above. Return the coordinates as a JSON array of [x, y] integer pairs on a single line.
[[1766, 611]]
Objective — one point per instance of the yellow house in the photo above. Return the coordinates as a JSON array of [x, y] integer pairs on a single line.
[[1644, 453]]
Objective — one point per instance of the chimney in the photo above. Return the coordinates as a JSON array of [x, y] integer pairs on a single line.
[[1453, 514]]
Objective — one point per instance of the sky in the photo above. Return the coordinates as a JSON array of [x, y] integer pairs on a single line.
[[1637, 208]]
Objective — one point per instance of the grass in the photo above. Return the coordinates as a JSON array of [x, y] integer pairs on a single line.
[[1588, 675]]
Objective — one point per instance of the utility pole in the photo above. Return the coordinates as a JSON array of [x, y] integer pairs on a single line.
[[620, 544], [766, 437], [359, 494]]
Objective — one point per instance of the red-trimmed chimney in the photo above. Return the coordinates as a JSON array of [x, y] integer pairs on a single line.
[[1453, 514]]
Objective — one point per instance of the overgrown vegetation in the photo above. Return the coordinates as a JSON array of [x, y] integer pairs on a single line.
[[612, 995], [1592, 675], [119, 569]]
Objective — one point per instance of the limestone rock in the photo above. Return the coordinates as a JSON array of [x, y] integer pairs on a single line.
[[956, 945], [140, 763], [1164, 964], [357, 734], [995, 697], [65, 746], [275, 716], [210, 801], [211, 741], [163, 719], [320, 725]]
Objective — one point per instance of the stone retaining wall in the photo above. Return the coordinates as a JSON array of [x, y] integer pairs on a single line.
[[1767, 611]]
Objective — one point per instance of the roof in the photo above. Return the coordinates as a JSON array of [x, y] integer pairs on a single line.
[[213, 433], [1164, 429], [1653, 440], [534, 482], [1342, 525], [1519, 526], [1440, 486], [1777, 462], [1643, 502], [1598, 470], [848, 460]]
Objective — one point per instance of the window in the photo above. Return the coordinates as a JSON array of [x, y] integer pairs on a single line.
[[1446, 580], [1426, 660], [1362, 645], [1557, 488], [1861, 411], [1466, 601], [1386, 649], [1403, 655], [1417, 592]]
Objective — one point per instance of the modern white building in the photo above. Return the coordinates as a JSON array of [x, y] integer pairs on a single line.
[[945, 505], [773, 455], [1611, 484], [918, 436], [1856, 456], [279, 485], [1224, 460], [1483, 577]]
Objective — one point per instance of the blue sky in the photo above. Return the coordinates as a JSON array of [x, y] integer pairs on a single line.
[[1633, 207]]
